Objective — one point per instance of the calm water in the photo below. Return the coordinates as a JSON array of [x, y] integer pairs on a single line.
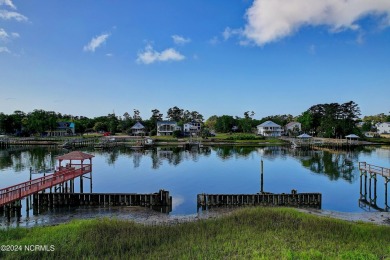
[[186, 173]]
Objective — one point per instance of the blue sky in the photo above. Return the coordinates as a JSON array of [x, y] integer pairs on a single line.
[[218, 57]]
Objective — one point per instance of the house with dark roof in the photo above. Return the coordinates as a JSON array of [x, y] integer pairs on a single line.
[[167, 127], [269, 128], [63, 129]]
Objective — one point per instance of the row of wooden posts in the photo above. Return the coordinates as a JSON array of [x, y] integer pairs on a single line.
[[368, 197]]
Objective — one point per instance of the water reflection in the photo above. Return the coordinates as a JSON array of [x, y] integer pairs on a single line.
[[333, 164], [37, 158], [217, 169]]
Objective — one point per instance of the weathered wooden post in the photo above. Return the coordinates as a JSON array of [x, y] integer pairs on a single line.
[[8, 212], [386, 181], [261, 177], [81, 184], [90, 180]]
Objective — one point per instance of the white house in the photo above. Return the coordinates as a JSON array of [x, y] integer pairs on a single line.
[[293, 127], [269, 128], [383, 128], [192, 127], [166, 127]]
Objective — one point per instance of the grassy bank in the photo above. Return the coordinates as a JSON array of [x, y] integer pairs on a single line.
[[271, 233]]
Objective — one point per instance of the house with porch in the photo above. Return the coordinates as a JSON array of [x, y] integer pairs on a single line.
[[167, 127], [292, 128], [138, 129], [269, 129], [192, 128], [383, 128], [63, 129]]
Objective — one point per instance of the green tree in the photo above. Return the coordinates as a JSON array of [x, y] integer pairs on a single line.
[[224, 124]]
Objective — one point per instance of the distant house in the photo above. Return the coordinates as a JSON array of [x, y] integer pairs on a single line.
[[292, 127], [269, 128], [137, 129], [63, 129], [192, 128], [166, 127], [383, 128]]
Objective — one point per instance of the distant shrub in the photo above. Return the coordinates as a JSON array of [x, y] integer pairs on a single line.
[[244, 137], [153, 132]]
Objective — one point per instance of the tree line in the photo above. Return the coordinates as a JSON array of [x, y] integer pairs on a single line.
[[324, 120], [40, 121]]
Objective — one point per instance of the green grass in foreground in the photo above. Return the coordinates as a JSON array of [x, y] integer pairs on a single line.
[[270, 233]]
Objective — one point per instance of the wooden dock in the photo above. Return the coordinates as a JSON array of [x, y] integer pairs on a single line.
[[368, 176], [160, 198], [4, 142], [319, 142], [22, 190], [294, 199], [41, 202]]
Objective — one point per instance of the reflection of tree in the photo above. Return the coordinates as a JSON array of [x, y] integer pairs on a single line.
[[226, 152], [38, 158], [334, 165], [112, 156]]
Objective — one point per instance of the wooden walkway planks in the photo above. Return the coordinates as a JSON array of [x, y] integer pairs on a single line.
[[19, 191]]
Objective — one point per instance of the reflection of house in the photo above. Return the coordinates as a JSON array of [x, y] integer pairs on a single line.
[[137, 129], [166, 127], [269, 128], [63, 129], [383, 128], [292, 127], [191, 128]]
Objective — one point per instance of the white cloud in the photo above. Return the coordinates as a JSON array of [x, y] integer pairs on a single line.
[[271, 20], [4, 49], [214, 40], [3, 35], [7, 15], [7, 3], [180, 40], [228, 33], [149, 55], [96, 42]]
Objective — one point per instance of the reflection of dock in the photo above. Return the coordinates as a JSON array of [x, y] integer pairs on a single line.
[[372, 171], [294, 199]]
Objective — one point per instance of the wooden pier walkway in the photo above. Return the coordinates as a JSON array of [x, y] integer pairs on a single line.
[[373, 169], [319, 142], [22, 190], [369, 198]]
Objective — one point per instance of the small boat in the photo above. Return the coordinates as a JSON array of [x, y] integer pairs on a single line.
[[148, 141]]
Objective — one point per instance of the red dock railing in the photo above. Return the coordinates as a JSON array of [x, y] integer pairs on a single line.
[[21, 190], [385, 172]]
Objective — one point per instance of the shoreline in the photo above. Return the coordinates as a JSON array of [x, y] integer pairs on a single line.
[[146, 216]]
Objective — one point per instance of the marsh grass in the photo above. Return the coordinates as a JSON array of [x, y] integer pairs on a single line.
[[270, 233]]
